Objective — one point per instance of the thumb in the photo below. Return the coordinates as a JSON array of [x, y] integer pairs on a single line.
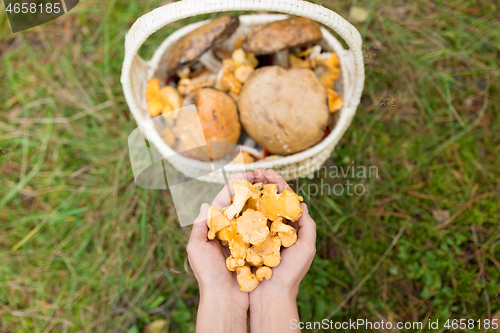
[[307, 227], [200, 229]]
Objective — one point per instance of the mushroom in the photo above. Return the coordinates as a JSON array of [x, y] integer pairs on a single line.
[[234, 241], [252, 226], [210, 62], [235, 71], [219, 120], [278, 35], [168, 136], [296, 61], [216, 221], [284, 110], [280, 58], [335, 102], [226, 81], [252, 202], [243, 190], [243, 72], [286, 204], [264, 272], [222, 53], [203, 78], [285, 232], [162, 100], [193, 45], [242, 58], [232, 263], [244, 157], [266, 253], [246, 279], [330, 61], [258, 186]]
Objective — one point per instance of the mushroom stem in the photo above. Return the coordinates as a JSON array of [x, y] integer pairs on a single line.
[[210, 62], [281, 58]]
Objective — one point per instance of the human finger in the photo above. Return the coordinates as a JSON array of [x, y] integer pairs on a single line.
[[260, 175], [250, 176], [275, 178], [200, 228], [307, 227]]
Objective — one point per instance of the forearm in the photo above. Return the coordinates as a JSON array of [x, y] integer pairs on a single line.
[[274, 314], [220, 313]]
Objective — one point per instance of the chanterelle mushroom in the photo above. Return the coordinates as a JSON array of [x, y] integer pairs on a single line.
[[246, 279], [216, 220], [284, 110], [243, 190], [266, 253], [193, 45], [264, 272], [162, 100], [285, 232], [233, 263], [219, 120], [286, 204], [252, 226], [236, 245], [278, 35], [252, 201]]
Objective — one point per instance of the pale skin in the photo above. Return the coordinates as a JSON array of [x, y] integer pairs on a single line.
[[272, 305]]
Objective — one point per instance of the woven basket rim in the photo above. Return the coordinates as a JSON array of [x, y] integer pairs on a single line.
[[282, 160], [147, 24]]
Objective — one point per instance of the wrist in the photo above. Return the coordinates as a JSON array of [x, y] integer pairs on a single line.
[[273, 311], [222, 299], [220, 312], [264, 300]]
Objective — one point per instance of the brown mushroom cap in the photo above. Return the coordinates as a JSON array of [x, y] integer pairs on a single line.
[[284, 110], [191, 46], [279, 35], [219, 120]]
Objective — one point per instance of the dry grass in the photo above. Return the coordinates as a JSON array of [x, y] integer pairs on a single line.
[[83, 249]]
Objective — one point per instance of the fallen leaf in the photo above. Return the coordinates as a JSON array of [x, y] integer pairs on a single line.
[[157, 326], [472, 10], [441, 215], [358, 14], [497, 317]]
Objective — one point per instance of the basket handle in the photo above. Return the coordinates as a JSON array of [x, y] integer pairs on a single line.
[[149, 23]]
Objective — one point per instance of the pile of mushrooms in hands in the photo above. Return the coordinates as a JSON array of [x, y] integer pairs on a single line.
[[269, 88]]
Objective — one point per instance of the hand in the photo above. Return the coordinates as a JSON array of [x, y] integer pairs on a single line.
[[223, 307], [273, 303]]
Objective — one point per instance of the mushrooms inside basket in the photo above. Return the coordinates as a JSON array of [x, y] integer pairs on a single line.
[[269, 90]]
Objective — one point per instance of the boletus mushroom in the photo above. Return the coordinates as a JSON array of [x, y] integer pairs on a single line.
[[193, 45], [219, 120], [279, 35], [284, 109]]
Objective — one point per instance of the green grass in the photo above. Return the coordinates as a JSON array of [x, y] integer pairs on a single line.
[[84, 250]]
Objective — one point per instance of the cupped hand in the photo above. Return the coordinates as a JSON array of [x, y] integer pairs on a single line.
[[273, 303], [208, 257], [295, 260]]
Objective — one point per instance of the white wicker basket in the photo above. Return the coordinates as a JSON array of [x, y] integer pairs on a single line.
[[136, 72]]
